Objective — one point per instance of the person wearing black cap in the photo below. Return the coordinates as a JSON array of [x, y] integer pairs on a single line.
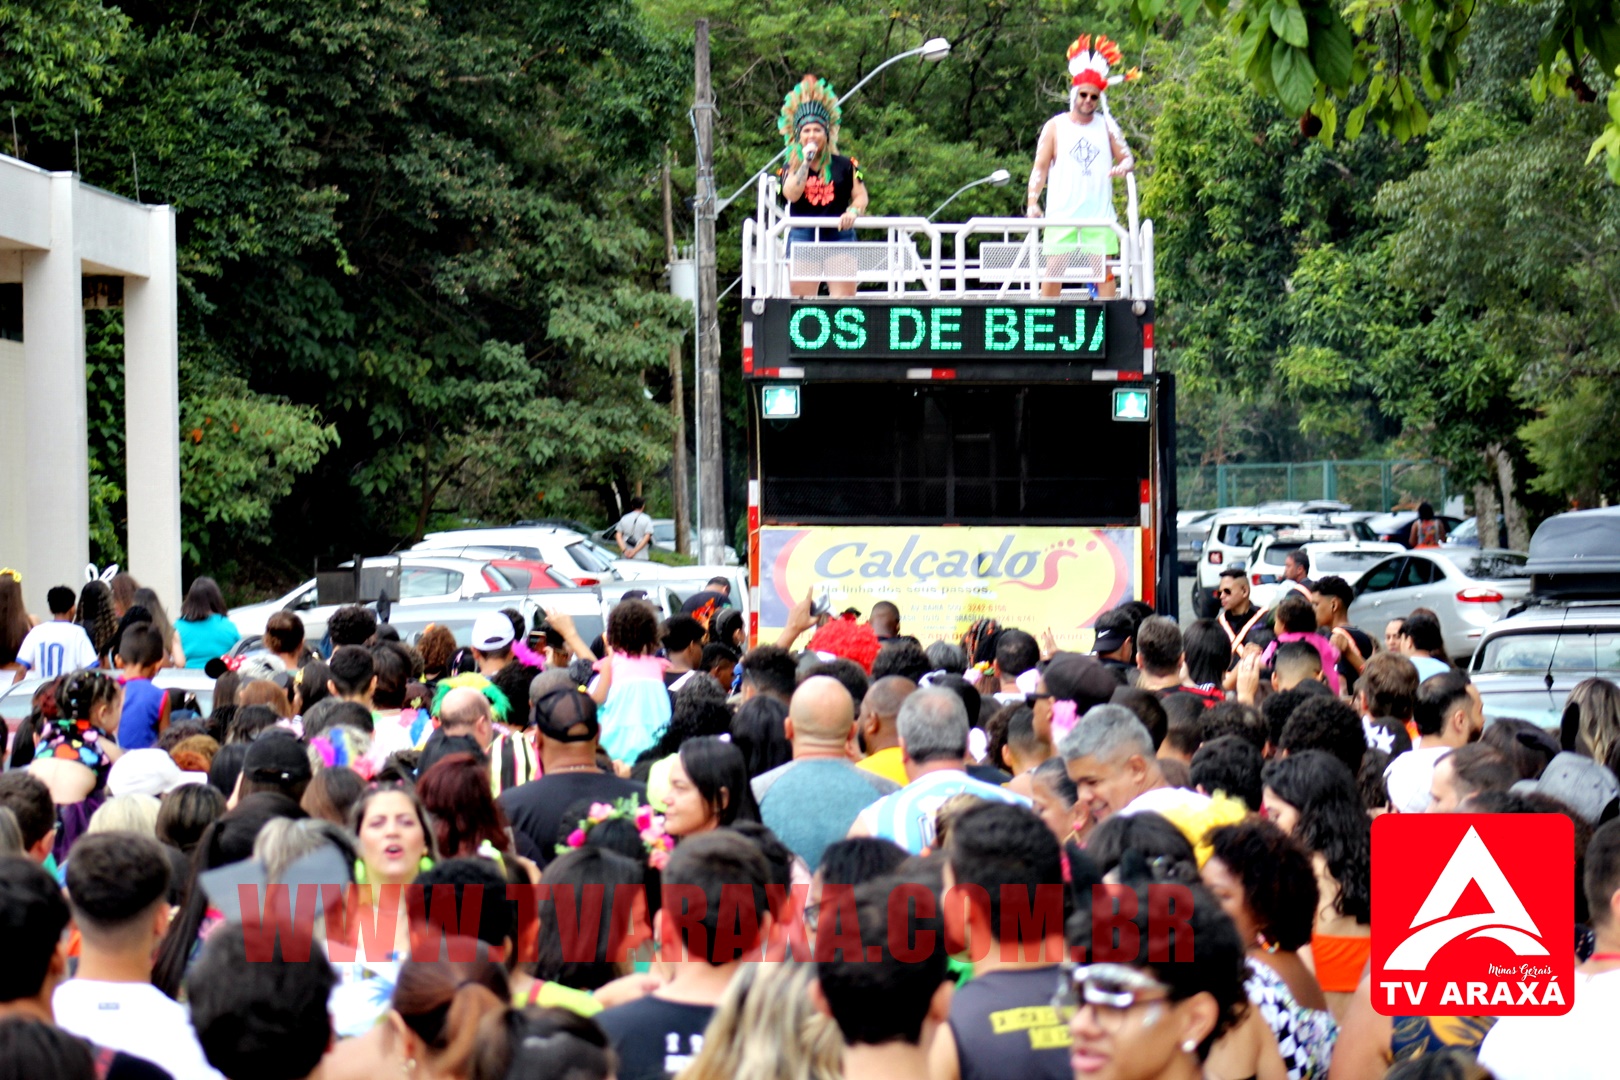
[[276, 761], [566, 722], [1115, 645]]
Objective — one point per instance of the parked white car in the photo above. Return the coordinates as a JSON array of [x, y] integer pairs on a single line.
[[424, 578], [1347, 559], [1468, 588], [577, 556], [16, 699], [1232, 535]]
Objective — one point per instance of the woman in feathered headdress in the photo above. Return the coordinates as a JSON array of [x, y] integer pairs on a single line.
[[1078, 156], [818, 181]]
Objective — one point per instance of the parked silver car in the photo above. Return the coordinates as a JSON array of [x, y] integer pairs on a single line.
[[1527, 663], [1467, 588]]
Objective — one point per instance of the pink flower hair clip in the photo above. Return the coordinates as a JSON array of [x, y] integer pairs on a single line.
[[649, 827]]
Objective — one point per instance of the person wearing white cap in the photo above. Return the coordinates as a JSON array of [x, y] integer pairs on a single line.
[[148, 772], [492, 637]]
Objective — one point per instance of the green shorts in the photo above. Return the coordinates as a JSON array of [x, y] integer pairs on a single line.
[[1089, 240]]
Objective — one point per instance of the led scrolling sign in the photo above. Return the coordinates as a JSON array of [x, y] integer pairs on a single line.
[[947, 331]]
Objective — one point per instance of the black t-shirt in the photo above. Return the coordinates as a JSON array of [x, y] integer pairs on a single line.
[[823, 199], [1119, 669], [535, 809], [656, 1039], [1347, 674], [1004, 1026]]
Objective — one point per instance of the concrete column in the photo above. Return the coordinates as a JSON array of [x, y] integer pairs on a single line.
[[13, 448], [57, 463], [152, 416]]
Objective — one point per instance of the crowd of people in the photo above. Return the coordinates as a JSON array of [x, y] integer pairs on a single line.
[[843, 853]]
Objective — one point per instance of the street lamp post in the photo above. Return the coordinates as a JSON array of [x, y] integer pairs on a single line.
[[707, 207], [998, 178]]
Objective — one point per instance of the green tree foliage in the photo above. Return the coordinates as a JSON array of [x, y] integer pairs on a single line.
[[1241, 201], [417, 275], [1400, 56]]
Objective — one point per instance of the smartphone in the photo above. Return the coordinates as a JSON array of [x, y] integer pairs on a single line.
[[820, 600]]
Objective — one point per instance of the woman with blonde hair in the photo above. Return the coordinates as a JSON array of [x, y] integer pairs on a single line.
[[1598, 704], [283, 841], [767, 1027], [126, 813]]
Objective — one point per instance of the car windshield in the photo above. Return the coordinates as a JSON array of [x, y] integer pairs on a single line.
[[1277, 554], [1577, 648], [664, 533], [1244, 534], [588, 556], [1340, 562], [1485, 565]]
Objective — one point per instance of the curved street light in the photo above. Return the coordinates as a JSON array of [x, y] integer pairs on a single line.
[[999, 178], [931, 51]]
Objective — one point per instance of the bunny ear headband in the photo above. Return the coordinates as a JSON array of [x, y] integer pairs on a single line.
[[107, 575]]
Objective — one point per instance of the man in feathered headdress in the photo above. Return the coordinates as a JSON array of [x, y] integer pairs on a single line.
[[1078, 156], [818, 181]]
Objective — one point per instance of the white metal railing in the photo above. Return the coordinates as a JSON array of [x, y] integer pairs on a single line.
[[892, 256]]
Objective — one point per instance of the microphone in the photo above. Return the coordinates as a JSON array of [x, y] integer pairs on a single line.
[[810, 149]]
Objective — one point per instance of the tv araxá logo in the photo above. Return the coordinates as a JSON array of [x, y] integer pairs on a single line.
[[1473, 914]]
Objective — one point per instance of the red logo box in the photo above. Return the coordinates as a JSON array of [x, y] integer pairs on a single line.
[[1473, 914]]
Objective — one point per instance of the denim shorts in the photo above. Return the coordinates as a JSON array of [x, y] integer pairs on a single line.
[[814, 235]]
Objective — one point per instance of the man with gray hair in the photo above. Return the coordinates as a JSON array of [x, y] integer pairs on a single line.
[[1109, 755], [933, 728]]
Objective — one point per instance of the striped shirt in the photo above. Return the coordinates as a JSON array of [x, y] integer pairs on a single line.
[[907, 816]]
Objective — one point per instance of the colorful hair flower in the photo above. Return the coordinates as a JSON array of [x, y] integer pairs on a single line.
[[649, 827]]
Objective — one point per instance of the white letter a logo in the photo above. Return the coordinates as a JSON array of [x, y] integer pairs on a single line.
[[1507, 921]]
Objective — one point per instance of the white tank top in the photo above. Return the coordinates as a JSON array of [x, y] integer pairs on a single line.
[[1078, 185]]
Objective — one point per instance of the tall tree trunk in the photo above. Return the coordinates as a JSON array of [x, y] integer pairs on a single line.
[[1518, 529], [1486, 507]]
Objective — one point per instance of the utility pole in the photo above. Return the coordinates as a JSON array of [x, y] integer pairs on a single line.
[[677, 388], [711, 482]]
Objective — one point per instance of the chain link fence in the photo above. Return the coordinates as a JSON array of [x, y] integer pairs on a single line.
[[1364, 484]]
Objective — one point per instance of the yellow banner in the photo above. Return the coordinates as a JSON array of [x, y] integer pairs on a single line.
[[945, 578]]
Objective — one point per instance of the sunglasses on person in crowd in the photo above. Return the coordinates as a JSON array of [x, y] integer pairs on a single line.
[[1088, 97], [1112, 990]]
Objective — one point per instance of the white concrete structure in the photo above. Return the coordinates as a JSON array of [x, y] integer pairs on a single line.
[[54, 230]]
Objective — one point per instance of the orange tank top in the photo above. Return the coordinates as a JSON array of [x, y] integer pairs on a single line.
[[1340, 961]]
